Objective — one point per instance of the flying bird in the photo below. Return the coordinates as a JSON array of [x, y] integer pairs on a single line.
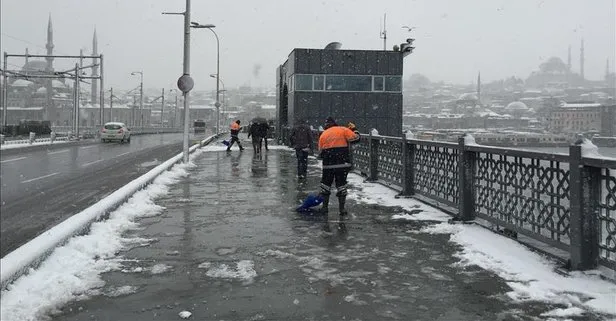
[[409, 29]]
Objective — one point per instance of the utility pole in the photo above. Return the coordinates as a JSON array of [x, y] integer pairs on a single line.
[[175, 112], [162, 108], [102, 93], [141, 101], [111, 104], [5, 87], [76, 97]]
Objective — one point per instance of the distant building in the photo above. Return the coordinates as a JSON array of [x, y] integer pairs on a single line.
[[32, 98], [608, 121], [363, 86], [576, 117]]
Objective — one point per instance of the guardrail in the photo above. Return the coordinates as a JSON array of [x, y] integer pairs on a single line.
[[85, 132], [29, 255], [564, 201], [133, 130]]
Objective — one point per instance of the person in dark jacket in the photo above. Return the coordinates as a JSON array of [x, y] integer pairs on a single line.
[[262, 129], [235, 131], [334, 150], [255, 131], [301, 140]]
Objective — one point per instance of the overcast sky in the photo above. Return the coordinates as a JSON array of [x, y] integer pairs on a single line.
[[455, 38]]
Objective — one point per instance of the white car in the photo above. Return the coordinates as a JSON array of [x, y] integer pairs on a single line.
[[115, 132]]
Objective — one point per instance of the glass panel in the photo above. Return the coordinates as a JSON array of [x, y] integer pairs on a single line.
[[393, 83], [114, 126], [318, 82], [348, 83], [378, 83], [303, 82]]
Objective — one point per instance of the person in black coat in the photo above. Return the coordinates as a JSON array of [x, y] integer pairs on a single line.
[[301, 140]]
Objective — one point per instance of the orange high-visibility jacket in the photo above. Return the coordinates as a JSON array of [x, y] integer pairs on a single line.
[[337, 136]]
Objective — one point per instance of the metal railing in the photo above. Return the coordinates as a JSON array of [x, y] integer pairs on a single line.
[[564, 201]]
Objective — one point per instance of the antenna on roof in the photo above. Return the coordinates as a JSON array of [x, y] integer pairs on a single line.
[[383, 34]]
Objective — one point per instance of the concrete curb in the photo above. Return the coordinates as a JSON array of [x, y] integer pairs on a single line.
[[31, 254]]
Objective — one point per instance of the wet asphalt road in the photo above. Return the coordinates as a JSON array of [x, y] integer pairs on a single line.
[[235, 213], [42, 187]]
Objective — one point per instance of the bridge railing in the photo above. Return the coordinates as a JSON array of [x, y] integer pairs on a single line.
[[564, 201]]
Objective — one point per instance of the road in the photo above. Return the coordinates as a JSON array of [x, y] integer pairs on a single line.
[[41, 188]]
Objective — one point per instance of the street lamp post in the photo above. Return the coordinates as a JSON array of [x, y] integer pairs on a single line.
[[185, 82], [219, 81], [211, 27], [140, 96]]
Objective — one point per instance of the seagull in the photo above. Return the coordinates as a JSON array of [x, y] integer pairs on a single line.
[[409, 29]]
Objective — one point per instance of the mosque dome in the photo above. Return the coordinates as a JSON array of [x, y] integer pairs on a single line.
[[468, 97], [35, 66], [21, 83], [517, 105]]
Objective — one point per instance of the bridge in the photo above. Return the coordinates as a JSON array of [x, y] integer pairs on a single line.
[[219, 239]]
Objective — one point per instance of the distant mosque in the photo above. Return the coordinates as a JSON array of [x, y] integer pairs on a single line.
[[30, 98], [556, 73]]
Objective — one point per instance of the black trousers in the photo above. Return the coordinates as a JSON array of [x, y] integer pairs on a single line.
[[302, 162], [339, 175], [235, 139]]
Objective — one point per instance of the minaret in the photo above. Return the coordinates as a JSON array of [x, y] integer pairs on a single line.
[[49, 46], [94, 90], [479, 88], [569, 59], [607, 69], [49, 114], [582, 59], [27, 61]]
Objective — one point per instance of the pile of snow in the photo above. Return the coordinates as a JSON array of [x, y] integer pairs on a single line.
[[589, 149], [73, 271], [469, 140], [530, 276], [185, 314], [409, 135], [374, 132], [160, 268], [244, 270], [373, 193]]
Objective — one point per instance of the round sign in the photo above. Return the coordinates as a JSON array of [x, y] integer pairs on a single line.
[[217, 104], [185, 83]]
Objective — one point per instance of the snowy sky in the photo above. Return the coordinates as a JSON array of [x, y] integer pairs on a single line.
[[455, 39]]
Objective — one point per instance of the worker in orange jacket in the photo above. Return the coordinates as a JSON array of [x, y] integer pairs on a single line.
[[235, 131], [335, 152]]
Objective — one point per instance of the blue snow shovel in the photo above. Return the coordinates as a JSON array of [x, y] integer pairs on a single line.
[[311, 201], [225, 142]]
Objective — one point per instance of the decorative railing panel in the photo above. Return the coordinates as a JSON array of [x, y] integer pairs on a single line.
[[361, 155], [435, 173], [389, 164], [529, 193], [607, 216], [566, 201]]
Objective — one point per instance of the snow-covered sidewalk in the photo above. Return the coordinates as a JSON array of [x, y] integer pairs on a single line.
[[531, 276]]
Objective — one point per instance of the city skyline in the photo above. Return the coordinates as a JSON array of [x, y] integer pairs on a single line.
[[244, 63]]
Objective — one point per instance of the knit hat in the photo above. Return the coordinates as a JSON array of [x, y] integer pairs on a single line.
[[330, 121]]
